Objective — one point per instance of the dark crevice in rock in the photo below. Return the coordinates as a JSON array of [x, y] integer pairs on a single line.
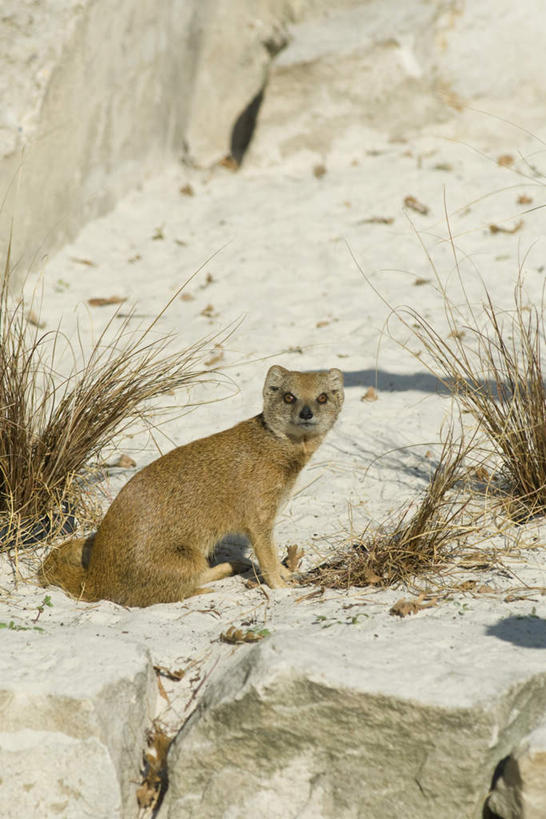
[[487, 812], [243, 129]]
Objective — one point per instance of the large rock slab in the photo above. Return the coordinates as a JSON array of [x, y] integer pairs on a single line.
[[343, 724], [74, 708], [94, 99], [400, 69]]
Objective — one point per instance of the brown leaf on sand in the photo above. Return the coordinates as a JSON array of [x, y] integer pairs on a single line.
[[171, 674], [155, 759], [370, 395], [500, 229], [371, 577], [162, 691], [294, 556], [319, 170], [208, 311], [187, 190], [214, 359], [524, 199], [414, 204], [101, 301], [237, 635], [79, 260], [230, 163], [323, 323], [404, 607], [505, 160], [124, 461], [187, 297], [377, 220], [34, 319]]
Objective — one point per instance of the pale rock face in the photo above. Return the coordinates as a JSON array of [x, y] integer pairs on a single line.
[[347, 726], [74, 709], [96, 97], [520, 792]]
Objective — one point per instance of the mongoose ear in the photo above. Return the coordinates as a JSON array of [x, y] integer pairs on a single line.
[[274, 378], [335, 380]]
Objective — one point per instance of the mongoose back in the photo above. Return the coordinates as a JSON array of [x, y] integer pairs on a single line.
[[154, 542]]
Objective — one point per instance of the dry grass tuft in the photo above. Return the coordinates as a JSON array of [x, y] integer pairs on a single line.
[[494, 367], [413, 546], [53, 425]]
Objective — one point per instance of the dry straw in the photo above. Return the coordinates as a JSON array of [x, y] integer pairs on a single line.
[[53, 425], [491, 361], [420, 541]]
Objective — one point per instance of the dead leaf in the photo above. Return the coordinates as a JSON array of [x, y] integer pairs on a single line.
[[79, 260], [323, 323], [176, 675], [155, 760], [312, 595], [371, 577], [34, 319], [319, 171], [209, 279], [236, 636], [370, 395], [500, 229], [230, 163], [294, 556], [443, 166], [377, 220], [158, 234], [187, 297], [482, 474], [466, 585], [505, 160], [124, 461], [524, 199], [101, 301], [161, 689], [208, 311], [136, 258], [187, 190], [404, 607], [420, 281], [414, 204], [214, 359], [485, 589], [457, 334]]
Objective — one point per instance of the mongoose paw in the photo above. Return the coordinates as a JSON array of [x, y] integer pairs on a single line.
[[285, 573], [276, 583]]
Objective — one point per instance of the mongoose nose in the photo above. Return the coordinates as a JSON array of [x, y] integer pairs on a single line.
[[306, 413]]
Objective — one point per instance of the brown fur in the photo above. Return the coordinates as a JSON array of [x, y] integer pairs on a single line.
[[155, 540]]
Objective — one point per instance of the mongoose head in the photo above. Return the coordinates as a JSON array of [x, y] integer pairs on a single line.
[[302, 405]]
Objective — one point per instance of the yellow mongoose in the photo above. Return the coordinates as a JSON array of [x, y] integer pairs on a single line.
[[153, 544]]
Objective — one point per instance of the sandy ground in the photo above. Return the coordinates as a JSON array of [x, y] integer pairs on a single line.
[[275, 249]]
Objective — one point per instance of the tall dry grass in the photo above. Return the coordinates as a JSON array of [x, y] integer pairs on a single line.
[[52, 425], [492, 362], [422, 539]]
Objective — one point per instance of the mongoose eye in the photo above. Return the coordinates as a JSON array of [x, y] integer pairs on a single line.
[[289, 398], [322, 399]]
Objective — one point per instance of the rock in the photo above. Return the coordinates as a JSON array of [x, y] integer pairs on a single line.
[[520, 791], [94, 99], [74, 712], [381, 67], [344, 724]]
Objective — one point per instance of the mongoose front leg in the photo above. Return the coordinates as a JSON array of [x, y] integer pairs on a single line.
[[264, 548]]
